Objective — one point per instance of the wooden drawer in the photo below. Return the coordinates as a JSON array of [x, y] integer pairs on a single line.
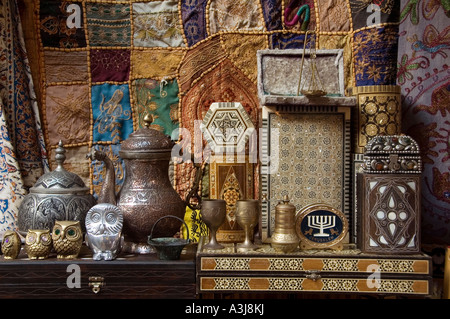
[[128, 276], [348, 271]]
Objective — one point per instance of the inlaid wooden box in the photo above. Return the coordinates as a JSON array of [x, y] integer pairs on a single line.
[[346, 271], [389, 196], [389, 207]]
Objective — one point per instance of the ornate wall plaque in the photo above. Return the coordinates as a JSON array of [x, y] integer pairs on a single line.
[[321, 226]]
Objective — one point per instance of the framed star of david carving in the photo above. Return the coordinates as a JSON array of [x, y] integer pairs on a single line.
[[226, 127]]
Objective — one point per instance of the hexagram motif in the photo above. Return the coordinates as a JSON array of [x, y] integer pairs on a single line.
[[227, 126]]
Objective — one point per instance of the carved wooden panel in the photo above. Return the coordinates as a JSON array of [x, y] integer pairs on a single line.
[[231, 179]]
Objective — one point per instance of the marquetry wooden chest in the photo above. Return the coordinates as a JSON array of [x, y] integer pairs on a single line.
[[312, 271], [128, 276], [389, 196]]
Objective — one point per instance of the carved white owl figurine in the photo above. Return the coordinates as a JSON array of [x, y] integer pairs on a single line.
[[104, 224], [38, 243], [67, 238], [11, 244]]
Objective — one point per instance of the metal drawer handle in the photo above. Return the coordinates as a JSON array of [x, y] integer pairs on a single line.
[[313, 274], [96, 283]]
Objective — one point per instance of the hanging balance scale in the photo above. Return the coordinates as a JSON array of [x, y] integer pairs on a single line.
[[315, 87]]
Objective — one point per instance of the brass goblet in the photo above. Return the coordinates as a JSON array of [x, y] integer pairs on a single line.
[[247, 215], [213, 213]]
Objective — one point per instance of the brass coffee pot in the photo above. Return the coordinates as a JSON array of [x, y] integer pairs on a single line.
[[146, 194], [285, 238]]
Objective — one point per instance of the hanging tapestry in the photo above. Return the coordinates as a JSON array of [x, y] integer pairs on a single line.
[[22, 151], [424, 76], [105, 64]]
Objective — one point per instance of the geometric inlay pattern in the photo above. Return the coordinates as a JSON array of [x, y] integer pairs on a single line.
[[232, 263], [392, 215], [340, 265], [397, 266], [231, 283], [286, 284], [226, 126], [283, 264], [340, 284]]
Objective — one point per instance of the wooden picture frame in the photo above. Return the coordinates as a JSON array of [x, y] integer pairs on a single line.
[[312, 162]]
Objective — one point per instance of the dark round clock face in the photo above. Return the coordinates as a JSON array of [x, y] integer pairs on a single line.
[[321, 226]]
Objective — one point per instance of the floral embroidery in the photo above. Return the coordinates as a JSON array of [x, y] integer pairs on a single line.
[[156, 24], [375, 51]]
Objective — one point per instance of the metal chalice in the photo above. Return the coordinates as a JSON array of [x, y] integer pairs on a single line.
[[213, 213], [247, 215]]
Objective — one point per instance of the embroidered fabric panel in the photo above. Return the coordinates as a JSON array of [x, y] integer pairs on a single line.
[[225, 15], [108, 24], [156, 24], [375, 53], [193, 19]]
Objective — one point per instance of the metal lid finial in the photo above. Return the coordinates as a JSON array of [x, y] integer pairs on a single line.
[[148, 120], [60, 156]]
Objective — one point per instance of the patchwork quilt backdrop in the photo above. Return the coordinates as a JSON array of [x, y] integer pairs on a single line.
[[104, 64]]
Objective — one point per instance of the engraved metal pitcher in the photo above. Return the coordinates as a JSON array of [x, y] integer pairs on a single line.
[[147, 193]]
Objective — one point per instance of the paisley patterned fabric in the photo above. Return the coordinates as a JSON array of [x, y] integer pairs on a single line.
[[424, 76], [22, 152], [104, 64]]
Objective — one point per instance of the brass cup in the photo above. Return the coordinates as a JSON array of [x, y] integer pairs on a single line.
[[247, 215], [213, 213]]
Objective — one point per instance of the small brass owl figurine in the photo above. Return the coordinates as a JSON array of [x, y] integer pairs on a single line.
[[38, 243], [67, 238], [11, 244]]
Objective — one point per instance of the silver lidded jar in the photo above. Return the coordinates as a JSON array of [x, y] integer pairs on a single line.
[[57, 195]]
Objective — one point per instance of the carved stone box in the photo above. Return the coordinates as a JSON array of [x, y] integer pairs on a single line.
[[389, 196], [313, 271]]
